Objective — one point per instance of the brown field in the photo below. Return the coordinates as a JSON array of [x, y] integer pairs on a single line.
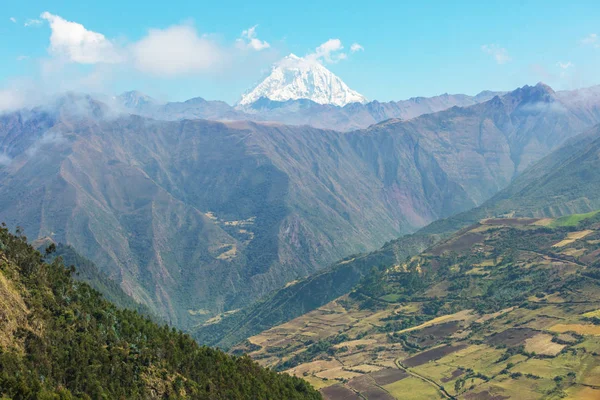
[[365, 368], [354, 343], [339, 392], [583, 329], [511, 337], [509, 221], [543, 222], [361, 383], [388, 375], [459, 244], [485, 395], [459, 316], [375, 393], [432, 354], [314, 367], [542, 344], [487, 317], [337, 373], [583, 393]]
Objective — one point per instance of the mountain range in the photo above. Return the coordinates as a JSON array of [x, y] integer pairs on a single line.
[[194, 218], [299, 111]]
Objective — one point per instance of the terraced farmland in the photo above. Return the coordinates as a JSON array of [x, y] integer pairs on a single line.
[[525, 326]]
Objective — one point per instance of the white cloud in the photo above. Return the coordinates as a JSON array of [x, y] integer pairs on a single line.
[[73, 42], [500, 54], [176, 50], [329, 52], [22, 58], [565, 66], [32, 22], [356, 47], [11, 99], [591, 40], [4, 160], [49, 138], [251, 41], [13, 20]]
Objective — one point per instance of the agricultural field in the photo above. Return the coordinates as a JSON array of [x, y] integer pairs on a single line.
[[525, 325]]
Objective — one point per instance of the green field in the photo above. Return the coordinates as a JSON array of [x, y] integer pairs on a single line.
[[571, 220]]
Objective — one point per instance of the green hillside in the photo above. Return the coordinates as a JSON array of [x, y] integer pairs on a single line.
[[86, 271], [60, 340]]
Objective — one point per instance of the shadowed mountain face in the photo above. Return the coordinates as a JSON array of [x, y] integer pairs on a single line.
[[195, 217]]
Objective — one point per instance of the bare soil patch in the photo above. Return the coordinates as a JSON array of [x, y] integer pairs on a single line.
[[485, 395], [461, 243], [375, 393], [388, 375], [511, 337], [339, 392], [509, 221], [542, 344], [361, 383], [430, 355]]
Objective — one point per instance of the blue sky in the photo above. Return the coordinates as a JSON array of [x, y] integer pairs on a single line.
[[181, 49]]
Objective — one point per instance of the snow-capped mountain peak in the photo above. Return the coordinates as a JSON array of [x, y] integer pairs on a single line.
[[294, 78]]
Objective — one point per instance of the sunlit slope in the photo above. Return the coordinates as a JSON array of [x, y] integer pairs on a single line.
[[507, 308]]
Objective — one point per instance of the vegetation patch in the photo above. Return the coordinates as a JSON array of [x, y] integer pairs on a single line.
[[572, 220], [413, 388]]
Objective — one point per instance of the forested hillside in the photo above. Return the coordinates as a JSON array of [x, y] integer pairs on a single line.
[[60, 339]]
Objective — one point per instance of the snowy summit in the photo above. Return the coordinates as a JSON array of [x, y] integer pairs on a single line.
[[295, 78]]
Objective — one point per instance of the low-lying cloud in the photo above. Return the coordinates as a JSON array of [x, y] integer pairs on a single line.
[[5, 160], [49, 138]]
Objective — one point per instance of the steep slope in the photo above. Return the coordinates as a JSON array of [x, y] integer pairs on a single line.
[[61, 340], [564, 182], [89, 273], [507, 308], [294, 78]]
